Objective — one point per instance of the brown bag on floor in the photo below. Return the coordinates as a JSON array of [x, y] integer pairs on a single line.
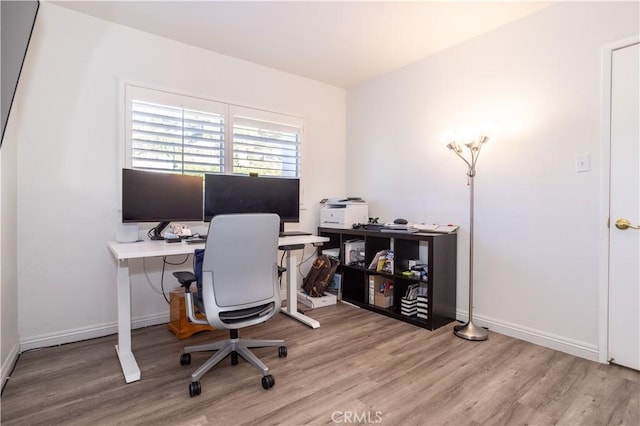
[[320, 275]]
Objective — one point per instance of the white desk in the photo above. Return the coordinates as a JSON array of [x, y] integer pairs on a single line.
[[125, 251]]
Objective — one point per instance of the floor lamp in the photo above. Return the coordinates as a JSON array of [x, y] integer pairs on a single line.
[[469, 330]]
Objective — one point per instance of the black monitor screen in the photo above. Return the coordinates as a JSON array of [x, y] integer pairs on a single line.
[[227, 194], [160, 197]]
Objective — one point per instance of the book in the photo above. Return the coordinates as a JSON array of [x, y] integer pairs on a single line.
[[372, 290], [376, 258], [335, 287], [382, 262], [412, 291]]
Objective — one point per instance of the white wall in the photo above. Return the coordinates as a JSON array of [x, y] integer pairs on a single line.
[[69, 161], [8, 254], [9, 344], [536, 241]]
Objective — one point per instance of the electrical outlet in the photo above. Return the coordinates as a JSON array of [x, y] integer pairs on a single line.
[[583, 163]]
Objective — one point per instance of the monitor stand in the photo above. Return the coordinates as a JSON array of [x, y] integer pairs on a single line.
[[155, 233]]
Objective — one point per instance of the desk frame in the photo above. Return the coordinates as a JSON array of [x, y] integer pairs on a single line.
[[125, 251]]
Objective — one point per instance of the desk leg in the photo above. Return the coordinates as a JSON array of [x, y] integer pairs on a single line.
[[292, 293], [123, 348]]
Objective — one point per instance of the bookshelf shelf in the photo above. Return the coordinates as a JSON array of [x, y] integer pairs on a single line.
[[436, 251]]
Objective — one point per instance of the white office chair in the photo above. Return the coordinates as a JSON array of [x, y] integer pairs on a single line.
[[239, 289]]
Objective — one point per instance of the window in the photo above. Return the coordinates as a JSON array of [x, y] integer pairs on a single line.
[[172, 138], [175, 133], [264, 146]]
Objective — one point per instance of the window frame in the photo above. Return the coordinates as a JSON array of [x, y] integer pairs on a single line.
[[227, 110]]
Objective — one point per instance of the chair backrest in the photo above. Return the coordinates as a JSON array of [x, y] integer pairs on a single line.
[[239, 269]]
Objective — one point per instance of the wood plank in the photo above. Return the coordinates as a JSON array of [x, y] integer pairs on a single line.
[[357, 364]]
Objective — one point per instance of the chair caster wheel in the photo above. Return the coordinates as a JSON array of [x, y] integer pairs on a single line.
[[194, 389], [268, 381], [234, 358], [282, 351], [185, 359]]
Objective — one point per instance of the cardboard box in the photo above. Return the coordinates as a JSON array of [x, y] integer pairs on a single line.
[[380, 291], [384, 300]]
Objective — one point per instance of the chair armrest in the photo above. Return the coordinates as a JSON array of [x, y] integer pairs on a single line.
[[191, 312], [185, 278]]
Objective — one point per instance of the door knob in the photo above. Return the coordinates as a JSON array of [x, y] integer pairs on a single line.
[[625, 224]]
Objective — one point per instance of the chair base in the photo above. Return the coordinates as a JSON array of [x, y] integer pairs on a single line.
[[230, 346]]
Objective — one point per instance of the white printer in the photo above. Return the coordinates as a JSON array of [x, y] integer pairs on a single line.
[[343, 212]]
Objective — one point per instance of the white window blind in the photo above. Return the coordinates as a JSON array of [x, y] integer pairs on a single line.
[[265, 148], [174, 138], [171, 132]]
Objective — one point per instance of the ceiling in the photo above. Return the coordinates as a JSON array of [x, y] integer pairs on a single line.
[[337, 42]]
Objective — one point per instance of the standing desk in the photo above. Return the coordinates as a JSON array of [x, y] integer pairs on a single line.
[[125, 251]]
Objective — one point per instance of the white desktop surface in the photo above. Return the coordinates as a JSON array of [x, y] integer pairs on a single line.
[[147, 248], [141, 249]]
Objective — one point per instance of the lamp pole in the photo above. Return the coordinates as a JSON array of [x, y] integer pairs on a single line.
[[469, 330]]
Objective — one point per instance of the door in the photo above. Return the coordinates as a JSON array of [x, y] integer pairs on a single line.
[[624, 205]]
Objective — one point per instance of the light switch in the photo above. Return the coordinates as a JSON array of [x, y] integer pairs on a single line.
[[583, 162]]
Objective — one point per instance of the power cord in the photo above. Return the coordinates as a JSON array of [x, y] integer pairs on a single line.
[[164, 263], [302, 262], [281, 267], [149, 282]]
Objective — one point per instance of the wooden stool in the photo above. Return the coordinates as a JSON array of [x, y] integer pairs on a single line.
[[179, 323]]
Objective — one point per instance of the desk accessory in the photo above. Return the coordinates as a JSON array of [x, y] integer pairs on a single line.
[[194, 240], [127, 232], [469, 330]]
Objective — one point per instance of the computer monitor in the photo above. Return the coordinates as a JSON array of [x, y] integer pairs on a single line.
[[149, 196], [227, 194]]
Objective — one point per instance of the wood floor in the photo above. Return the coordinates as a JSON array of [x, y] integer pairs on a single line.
[[358, 367]]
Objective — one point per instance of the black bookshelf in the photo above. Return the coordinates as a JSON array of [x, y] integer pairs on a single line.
[[437, 251]]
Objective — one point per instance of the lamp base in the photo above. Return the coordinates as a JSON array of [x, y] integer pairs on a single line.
[[470, 331]]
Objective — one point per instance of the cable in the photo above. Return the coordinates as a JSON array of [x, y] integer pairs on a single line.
[[282, 267], [144, 268], [302, 262], [179, 263], [164, 263]]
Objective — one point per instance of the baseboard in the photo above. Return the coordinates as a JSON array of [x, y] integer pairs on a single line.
[[570, 346], [7, 365], [548, 340], [86, 333]]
